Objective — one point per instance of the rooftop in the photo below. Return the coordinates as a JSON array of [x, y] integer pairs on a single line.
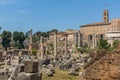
[[96, 24]]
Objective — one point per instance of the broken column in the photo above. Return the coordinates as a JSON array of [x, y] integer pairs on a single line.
[[31, 36], [41, 47], [79, 44], [55, 44], [30, 45], [75, 38], [65, 44], [93, 41]]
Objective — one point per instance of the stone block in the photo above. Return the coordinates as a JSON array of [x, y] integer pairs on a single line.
[[24, 52], [29, 76], [30, 66]]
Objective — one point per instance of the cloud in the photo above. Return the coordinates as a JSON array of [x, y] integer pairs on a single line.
[[3, 2], [7, 2], [22, 12], [7, 19]]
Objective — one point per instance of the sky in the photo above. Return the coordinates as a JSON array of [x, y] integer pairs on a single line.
[[44, 15]]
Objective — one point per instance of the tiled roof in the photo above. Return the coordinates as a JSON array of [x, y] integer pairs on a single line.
[[96, 24]]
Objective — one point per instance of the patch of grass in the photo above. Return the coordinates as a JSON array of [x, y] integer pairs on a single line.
[[60, 75]]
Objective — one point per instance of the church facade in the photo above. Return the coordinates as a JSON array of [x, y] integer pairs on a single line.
[[109, 30]]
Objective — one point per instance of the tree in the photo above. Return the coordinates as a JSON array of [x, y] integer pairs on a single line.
[[54, 30], [27, 34], [19, 38], [103, 44], [22, 37], [16, 36], [6, 38], [38, 34], [44, 34]]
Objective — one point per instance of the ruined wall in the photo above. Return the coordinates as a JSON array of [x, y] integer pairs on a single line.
[[105, 68], [1, 54]]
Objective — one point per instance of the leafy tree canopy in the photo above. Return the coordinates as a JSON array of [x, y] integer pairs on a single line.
[[6, 38], [19, 38]]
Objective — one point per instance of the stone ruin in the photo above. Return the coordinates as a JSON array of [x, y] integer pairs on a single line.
[[1, 54], [106, 66], [26, 71]]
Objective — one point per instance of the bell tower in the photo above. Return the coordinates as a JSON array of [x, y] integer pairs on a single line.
[[106, 16]]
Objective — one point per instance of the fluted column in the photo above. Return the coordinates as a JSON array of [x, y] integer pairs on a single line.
[[93, 42], [30, 45], [41, 51], [79, 39], [31, 36], [55, 44], [65, 44]]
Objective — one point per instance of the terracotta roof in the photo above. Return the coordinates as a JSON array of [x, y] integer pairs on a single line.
[[96, 24]]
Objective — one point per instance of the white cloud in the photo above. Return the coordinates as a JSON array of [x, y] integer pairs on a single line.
[[7, 2], [7, 19], [22, 12]]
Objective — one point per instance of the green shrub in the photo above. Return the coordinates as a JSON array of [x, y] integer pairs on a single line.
[[116, 43], [84, 49], [103, 44], [34, 52], [48, 52]]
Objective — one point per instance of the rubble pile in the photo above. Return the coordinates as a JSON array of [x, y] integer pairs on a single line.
[[105, 68]]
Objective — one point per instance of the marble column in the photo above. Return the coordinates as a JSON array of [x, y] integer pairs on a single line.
[[75, 39], [30, 45], [93, 42], [41, 47], [79, 39], [55, 44], [65, 44], [31, 36]]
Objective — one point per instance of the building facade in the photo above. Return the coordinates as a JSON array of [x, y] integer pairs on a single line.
[[91, 33], [70, 38]]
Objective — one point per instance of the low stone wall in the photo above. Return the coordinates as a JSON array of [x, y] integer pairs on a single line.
[[16, 52]]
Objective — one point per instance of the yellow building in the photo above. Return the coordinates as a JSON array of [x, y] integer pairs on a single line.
[[91, 33]]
